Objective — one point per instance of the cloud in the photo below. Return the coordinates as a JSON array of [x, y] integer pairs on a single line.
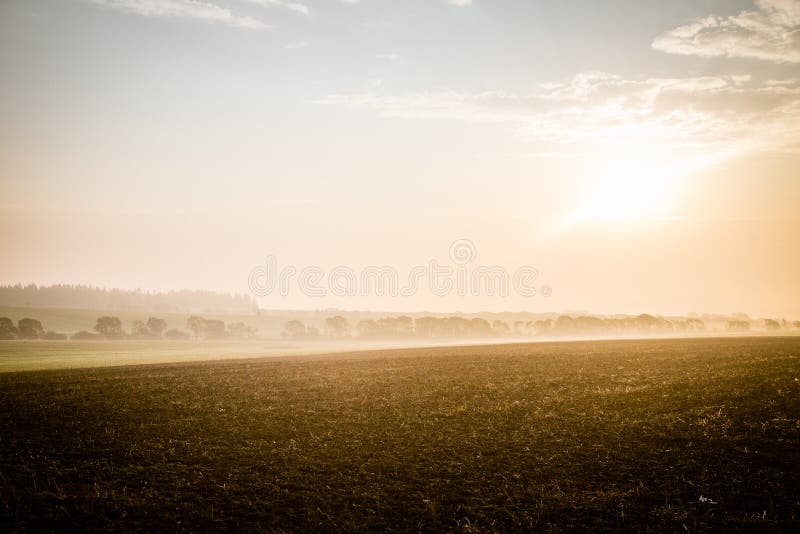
[[597, 109], [295, 45], [193, 9], [292, 6], [390, 57], [460, 3], [770, 33]]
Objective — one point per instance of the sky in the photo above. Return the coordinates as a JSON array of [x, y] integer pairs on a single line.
[[637, 155]]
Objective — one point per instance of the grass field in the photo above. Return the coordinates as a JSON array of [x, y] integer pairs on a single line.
[[40, 355], [37, 355], [615, 435]]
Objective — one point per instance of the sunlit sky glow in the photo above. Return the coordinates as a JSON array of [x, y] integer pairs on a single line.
[[642, 155]]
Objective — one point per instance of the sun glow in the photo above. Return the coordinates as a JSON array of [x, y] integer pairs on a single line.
[[629, 188], [635, 186]]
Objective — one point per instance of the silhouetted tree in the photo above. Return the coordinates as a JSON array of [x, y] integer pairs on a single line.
[[694, 324], [543, 326], [156, 326], [83, 335], [738, 326], [312, 332], [772, 324], [215, 329], [7, 329], [197, 325], [337, 327], [295, 329], [480, 327], [386, 327], [501, 328], [87, 297], [109, 327], [425, 327], [367, 328], [241, 331], [30, 329], [139, 330], [54, 336], [175, 334]]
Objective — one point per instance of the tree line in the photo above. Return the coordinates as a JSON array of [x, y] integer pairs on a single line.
[[110, 327], [96, 298], [565, 325], [26, 328], [403, 326]]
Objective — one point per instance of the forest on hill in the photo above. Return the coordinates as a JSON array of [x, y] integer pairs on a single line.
[[97, 298]]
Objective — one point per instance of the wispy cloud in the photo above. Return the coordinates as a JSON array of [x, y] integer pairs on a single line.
[[391, 57], [771, 33], [193, 9], [292, 6], [598, 109], [295, 45]]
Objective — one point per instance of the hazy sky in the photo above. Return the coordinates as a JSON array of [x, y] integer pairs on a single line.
[[642, 155]]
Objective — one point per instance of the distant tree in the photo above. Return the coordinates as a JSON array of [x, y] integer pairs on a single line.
[[337, 327], [109, 327], [30, 329], [242, 331], [386, 327], [367, 328], [425, 327], [695, 324], [197, 325], [772, 324], [295, 329], [7, 329], [94, 298], [215, 329], [646, 322], [796, 324], [738, 326], [405, 325], [156, 326], [312, 332], [480, 327], [501, 328], [54, 336], [175, 334], [543, 326], [139, 330], [83, 335]]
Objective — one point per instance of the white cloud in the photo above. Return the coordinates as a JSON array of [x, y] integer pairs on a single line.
[[292, 6], [596, 109], [771, 33], [391, 57], [460, 3], [193, 9], [295, 45]]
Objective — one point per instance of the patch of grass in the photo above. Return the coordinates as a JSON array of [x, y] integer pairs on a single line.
[[621, 435], [40, 355]]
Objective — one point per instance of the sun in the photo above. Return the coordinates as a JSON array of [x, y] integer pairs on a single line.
[[637, 185], [629, 188]]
